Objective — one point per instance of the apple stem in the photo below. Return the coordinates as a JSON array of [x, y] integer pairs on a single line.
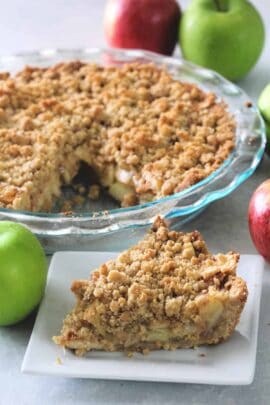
[[218, 5]]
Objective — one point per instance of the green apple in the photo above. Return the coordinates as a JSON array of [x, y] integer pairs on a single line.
[[223, 35], [267, 128], [264, 107], [264, 103], [23, 270]]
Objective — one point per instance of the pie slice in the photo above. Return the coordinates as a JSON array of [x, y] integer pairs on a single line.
[[166, 292]]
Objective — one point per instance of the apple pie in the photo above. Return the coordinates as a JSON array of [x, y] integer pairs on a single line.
[[144, 134], [166, 292]]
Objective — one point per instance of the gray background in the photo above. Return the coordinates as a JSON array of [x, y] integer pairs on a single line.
[[34, 24]]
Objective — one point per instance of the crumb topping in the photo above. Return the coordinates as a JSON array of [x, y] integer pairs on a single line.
[[145, 134], [157, 277], [167, 291]]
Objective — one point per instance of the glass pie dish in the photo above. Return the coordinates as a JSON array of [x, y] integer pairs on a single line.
[[101, 219]]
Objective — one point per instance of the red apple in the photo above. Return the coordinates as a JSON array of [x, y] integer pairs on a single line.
[[259, 219], [142, 24]]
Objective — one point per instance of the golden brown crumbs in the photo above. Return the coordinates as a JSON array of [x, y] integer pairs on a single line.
[[80, 188], [168, 291], [248, 104], [67, 213], [94, 192], [145, 134], [58, 361]]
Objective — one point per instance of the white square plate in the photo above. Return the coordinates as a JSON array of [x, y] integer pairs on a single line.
[[230, 363]]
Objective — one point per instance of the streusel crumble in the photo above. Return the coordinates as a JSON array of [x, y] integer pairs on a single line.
[[166, 292], [145, 134]]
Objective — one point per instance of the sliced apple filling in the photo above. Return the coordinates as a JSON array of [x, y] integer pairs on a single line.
[[210, 310], [118, 183]]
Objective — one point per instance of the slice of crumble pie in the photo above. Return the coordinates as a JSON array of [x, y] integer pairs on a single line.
[[166, 292]]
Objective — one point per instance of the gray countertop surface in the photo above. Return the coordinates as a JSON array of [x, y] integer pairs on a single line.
[[37, 24]]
